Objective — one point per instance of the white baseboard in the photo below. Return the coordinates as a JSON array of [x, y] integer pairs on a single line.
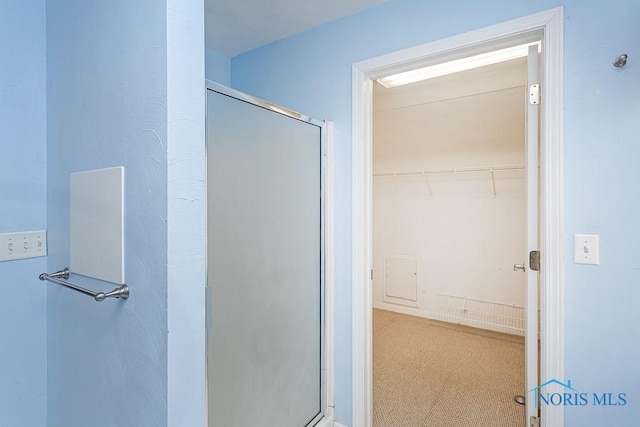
[[337, 424]]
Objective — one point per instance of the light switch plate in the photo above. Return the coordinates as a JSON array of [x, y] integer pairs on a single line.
[[21, 245], [586, 249]]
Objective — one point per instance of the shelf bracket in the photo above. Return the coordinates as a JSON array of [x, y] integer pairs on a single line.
[[493, 182], [426, 178]]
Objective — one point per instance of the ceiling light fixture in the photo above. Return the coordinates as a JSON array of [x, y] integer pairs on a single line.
[[457, 65]]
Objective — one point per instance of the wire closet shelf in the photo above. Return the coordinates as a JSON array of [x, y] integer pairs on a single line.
[[426, 172]]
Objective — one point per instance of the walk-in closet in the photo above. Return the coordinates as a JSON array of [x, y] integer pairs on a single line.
[[449, 223]]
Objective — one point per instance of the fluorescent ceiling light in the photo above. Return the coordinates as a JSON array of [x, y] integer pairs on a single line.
[[456, 66]]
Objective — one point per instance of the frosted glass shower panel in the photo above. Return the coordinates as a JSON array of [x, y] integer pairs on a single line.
[[264, 266], [97, 224]]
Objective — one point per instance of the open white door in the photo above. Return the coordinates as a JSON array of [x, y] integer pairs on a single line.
[[532, 279]]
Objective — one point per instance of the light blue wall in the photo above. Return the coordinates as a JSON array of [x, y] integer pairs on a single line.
[[602, 196], [218, 67], [186, 214], [23, 354], [311, 73], [107, 106]]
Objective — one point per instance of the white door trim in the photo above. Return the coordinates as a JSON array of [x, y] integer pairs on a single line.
[[328, 401], [548, 26]]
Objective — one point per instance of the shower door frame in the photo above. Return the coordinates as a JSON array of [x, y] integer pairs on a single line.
[[547, 26], [327, 390]]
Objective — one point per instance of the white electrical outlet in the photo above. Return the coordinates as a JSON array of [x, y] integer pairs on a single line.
[[27, 244], [586, 249]]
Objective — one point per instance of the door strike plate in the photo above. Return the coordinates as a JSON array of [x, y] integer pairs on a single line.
[[534, 260]]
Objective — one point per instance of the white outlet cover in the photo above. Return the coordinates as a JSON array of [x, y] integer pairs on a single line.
[[586, 249]]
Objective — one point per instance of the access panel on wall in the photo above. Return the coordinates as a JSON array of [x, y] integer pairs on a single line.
[[264, 181]]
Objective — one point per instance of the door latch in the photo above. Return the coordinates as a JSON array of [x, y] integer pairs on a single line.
[[517, 267]]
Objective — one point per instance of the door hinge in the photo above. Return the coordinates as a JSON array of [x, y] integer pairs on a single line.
[[534, 94], [534, 421], [372, 274], [534, 260]]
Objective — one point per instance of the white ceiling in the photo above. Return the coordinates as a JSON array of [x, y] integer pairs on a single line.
[[237, 26], [467, 119]]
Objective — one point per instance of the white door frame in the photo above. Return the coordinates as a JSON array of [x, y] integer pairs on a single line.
[[546, 26]]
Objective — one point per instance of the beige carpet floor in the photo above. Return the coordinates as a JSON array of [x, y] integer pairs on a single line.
[[434, 374]]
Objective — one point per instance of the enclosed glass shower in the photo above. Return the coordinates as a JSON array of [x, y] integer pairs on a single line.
[[265, 263]]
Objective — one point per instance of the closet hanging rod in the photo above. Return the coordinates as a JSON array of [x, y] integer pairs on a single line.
[[120, 292], [453, 170]]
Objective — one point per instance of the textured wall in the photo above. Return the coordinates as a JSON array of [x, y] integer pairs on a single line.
[[23, 355], [311, 73], [107, 106], [602, 196], [186, 212]]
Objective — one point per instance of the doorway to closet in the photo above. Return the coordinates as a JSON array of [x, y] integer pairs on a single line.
[[548, 27], [449, 223]]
